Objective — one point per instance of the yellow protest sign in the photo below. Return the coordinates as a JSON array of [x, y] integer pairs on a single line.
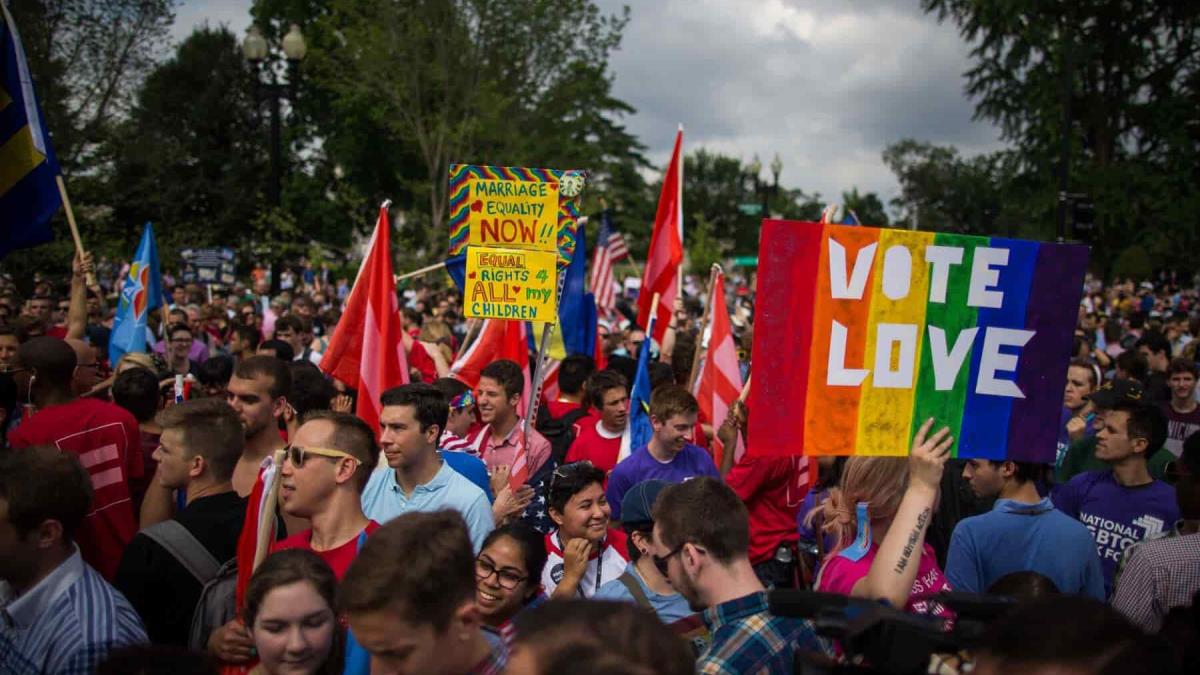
[[512, 213], [507, 283]]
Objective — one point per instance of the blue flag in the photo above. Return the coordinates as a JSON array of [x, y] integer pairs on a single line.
[[456, 267], [141, 293], [576, 307], [29, 195], [640, 430]]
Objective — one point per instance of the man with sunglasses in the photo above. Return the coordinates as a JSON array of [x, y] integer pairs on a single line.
[[701, 544], [322, 478], [420, 480]]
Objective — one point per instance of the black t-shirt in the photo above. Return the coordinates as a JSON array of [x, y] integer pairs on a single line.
[[162, 591]]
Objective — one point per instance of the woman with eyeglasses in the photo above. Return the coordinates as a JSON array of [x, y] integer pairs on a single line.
[[508, 573], [291, 616], [584, 552]]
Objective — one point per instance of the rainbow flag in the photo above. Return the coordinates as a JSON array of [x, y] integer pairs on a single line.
[[869, 332]]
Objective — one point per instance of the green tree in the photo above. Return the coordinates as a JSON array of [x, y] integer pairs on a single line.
[[398, 91], [1131, 75], [192, 156], [868, 207]]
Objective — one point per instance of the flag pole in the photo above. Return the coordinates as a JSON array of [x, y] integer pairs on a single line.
[[708, 310], [473, 328], [62, 191], [266, 517], [424, 270], [539, 366]]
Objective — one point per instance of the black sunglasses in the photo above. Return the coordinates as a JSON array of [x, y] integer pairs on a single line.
[[660, 562]]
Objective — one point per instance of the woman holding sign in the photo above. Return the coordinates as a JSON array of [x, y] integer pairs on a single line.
[[879, 516]]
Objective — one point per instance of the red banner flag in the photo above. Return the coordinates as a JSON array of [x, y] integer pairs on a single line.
[[366, 351], [661, 275]]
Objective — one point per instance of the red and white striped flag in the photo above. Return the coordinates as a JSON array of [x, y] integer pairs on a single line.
[[610, 248], [366, 351], [720, 381]]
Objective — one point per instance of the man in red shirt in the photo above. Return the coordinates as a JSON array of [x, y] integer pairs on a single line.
[[322, 480], [599, 437], [572, 374], [773, 489], [103, 435]]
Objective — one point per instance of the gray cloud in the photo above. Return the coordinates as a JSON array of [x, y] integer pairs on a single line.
[[827, 84]]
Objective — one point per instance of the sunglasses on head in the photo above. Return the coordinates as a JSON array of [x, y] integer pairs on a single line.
[[298, 455], [568, 469]]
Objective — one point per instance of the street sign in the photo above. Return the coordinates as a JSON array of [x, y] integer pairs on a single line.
[[751, 209]]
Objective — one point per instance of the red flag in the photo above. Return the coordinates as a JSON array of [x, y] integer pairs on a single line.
[[661, 275], [721, 379], [498, 339], [366, 351]]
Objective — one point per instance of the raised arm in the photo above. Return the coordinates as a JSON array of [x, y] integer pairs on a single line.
[[895, 566]]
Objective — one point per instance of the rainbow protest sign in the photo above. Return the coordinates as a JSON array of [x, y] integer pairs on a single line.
[[514, 207], [862, 333]]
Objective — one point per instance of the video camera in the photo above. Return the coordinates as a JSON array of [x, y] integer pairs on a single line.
[[876, 638]]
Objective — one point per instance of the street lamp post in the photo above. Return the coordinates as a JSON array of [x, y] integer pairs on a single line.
[[776, 169], [256, 50], [756, 171]]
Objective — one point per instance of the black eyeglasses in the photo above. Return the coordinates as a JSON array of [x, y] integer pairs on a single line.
[[660, 562], [507, 578]]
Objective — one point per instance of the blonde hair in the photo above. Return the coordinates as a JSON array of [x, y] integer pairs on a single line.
[[135, 360], [878, 481]]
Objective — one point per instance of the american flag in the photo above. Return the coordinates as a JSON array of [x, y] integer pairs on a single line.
[[610, 248]]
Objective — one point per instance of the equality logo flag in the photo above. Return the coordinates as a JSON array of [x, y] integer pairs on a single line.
[[29, 195], [869, 332], [141, 293], [640, 430]]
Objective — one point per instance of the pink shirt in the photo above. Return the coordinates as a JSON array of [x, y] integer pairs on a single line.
[[840, 574], [495, 453]]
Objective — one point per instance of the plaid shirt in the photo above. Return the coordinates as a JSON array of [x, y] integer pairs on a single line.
[[1157, 576], [496, 659], [747, 638]]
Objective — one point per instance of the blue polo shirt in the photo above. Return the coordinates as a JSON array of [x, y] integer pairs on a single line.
[[383, 500], [1019, 537]]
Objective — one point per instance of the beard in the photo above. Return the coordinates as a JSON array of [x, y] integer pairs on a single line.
[[690, 593]]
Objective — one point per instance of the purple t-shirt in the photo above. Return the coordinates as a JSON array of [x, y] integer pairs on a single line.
[[692, 461], [1117, 516]]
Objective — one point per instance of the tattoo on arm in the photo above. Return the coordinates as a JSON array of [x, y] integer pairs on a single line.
[[913, 538]]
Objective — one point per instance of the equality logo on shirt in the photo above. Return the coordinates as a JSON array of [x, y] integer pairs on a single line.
[[1112, 537], [556, 573]]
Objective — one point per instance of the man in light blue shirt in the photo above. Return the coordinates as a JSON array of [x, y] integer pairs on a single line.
[[1023, 532], [642, 583], [416, 477]]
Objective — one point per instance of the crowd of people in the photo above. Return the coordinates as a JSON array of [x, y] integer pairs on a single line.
[[408, 549]]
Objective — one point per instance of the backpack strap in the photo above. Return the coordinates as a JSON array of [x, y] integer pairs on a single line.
[[635, 589], [185, 548]]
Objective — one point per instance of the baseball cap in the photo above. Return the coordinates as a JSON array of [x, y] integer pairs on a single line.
[[638, 503], [1115, 391]]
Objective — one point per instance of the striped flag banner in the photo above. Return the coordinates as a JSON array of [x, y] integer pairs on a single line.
[[610, 249], [869, 332]]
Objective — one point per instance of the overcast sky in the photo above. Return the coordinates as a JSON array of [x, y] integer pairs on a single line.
[[826, 84]]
